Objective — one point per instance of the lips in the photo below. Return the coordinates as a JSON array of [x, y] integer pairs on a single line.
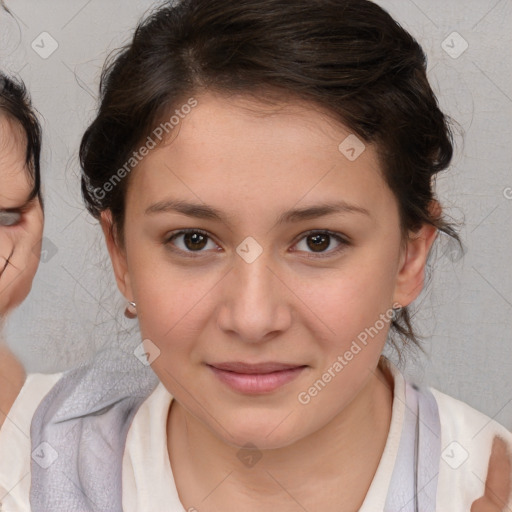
[[256, 378], [250, 369]]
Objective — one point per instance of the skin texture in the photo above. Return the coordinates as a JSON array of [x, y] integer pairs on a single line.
[[21, 228], [498, 486], [282, 307], [205, 305]]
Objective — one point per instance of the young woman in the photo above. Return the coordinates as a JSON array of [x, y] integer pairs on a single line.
[[21, 229], [263, 173]]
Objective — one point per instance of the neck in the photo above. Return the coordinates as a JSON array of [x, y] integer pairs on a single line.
[[332, 466], [12, 378]]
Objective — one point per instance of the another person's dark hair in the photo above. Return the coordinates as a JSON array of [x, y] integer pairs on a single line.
[[15, 103], [349, 58]]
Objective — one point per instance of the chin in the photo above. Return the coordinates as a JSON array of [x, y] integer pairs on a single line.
[[264, 433]]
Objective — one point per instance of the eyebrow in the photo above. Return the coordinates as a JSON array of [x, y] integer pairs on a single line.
[[202, 211]]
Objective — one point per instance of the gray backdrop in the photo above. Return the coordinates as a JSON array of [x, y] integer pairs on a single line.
[[58, 47]]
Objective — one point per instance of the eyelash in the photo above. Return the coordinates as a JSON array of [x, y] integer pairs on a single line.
[[343, 242]]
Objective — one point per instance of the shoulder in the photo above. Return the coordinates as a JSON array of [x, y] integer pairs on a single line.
[[150, 422], [146, 459], [36, 386], [466, 443], [15, 445], [458, 417]]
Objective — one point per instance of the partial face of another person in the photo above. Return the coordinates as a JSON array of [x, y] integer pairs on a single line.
[[260, 285], [21, 221]]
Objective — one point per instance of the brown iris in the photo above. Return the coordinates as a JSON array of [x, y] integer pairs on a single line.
[[321, 242], [194, 241]]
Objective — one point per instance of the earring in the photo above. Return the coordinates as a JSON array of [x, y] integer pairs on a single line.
[[130, 311]]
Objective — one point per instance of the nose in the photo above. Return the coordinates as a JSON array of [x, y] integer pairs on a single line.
[[255, 301]]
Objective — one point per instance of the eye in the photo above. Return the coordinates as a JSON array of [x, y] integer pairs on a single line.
[[196, 241], [192, 240], [9, 218], [319, 241]]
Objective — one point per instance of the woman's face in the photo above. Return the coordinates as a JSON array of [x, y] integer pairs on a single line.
[[257, 286], [21, 222]]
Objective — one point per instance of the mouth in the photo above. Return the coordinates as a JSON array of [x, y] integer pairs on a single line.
[[256, 378]]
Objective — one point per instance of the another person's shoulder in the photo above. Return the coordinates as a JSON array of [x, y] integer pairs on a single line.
[[466, 443], [15, 443], [39, 384], [34, 389]]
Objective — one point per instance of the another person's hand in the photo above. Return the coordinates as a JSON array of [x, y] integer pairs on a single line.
[[498, 486]]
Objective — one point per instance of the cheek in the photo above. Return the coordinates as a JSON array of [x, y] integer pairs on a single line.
[[16, 279], [173, 312], [176, 304], [352, 298], [172, 302], [21, 287], [6, 245]]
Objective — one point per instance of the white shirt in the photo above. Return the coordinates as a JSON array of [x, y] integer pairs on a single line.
[[15, 446], [148, 482], [466, 443]]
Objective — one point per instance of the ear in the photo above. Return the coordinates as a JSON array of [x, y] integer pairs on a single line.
[[117, 255], [411, 274]]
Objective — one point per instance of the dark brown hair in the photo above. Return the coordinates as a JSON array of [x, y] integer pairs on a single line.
[[15, 103], [349, 58]]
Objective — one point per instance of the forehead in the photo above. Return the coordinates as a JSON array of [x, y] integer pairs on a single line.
[[15, 183], [262, 154], [12, 135]]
